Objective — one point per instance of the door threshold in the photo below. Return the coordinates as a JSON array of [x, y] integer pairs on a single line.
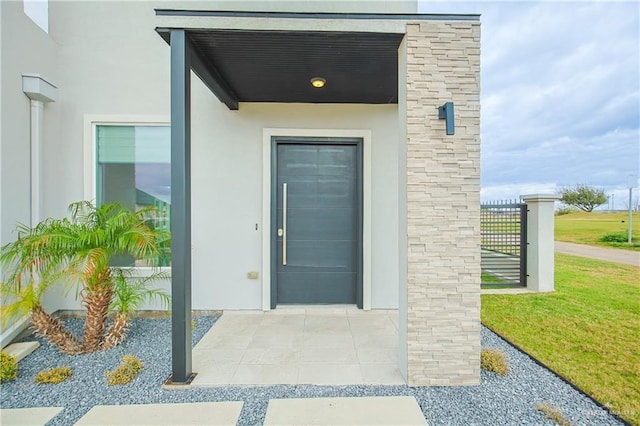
[[317, 306], [314, 310]]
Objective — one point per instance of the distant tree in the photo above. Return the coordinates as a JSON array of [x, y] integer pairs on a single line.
[[583, 197]]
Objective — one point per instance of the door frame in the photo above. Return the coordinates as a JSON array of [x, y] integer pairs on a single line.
[[362, 139]]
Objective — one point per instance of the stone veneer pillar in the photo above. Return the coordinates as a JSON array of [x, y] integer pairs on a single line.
[[442, 315]]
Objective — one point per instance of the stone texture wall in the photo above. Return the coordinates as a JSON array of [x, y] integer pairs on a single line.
[[443, 204]]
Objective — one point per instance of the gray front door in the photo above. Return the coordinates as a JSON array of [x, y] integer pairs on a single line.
[[317, 228]]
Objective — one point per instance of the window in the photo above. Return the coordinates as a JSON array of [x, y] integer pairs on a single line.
[[134, 168]]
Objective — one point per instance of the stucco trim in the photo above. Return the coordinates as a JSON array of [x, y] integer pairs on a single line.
[[288, 21], [365, 135]]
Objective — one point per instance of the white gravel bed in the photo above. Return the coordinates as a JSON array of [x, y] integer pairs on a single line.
[[497, 401]]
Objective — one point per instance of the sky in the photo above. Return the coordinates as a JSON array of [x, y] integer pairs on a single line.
[[38, 11], [560, 95]]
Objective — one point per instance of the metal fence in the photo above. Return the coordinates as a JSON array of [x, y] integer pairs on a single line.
[[503, 228]]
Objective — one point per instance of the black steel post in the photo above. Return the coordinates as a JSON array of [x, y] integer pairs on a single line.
[[180, 208], [523, 244]]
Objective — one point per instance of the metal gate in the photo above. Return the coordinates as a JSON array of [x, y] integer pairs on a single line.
[[503, 228]]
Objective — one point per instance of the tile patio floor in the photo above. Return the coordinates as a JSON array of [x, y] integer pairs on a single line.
[[300, 345]]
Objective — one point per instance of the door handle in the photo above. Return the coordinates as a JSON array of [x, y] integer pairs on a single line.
[[284, 223]]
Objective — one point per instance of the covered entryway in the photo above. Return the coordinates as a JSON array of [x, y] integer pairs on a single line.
[[424, 64], [317, 236]]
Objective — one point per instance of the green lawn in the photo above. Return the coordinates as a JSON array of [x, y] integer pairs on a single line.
[[490, 278], [587, 228], [588, 331]]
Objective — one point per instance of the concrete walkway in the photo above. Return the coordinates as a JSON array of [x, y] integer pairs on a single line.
[[197, 413], [35, 416], [349, 411], [369, 411], [626, 257]]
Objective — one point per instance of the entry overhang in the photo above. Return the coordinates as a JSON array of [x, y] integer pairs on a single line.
[[272, 56], [277, 66]]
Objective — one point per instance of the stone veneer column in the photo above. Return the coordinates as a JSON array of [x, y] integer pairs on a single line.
[[443, 205]]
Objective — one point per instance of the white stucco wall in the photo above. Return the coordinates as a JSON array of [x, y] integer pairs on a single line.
[[113, 64], [24, 48], [227, 192]]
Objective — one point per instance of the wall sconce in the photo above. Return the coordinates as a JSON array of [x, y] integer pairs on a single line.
[[445, 112]]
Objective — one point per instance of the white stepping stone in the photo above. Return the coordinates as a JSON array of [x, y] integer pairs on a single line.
[[28, 416], [196, 413], [394, 410], [21, 350]]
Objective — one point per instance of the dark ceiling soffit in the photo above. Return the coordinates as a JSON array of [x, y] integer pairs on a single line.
[[212, 79], [297, 15], [208, 74]]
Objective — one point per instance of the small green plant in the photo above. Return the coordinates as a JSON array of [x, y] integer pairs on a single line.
[[128, 294], [193, 325], [565, 210], [125, 372], [54, 376], [552, 413], [8, 367], [494, 361], [614, 237]]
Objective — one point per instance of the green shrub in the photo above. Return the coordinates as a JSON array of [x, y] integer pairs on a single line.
[[54, 376], [494, 361], [565, 210], [615, 237], [552, 413], [125, 372], [8, 367]]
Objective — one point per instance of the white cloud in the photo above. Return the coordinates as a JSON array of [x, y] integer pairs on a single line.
[[560, 93]]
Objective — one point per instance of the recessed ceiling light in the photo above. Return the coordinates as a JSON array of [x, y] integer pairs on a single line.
[[318, 82]]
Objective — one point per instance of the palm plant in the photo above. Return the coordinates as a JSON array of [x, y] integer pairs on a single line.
[[27, 301], [129, 293], [76, 251]]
